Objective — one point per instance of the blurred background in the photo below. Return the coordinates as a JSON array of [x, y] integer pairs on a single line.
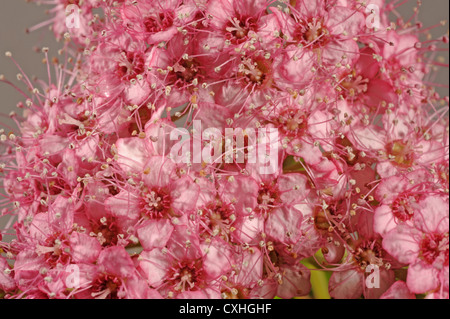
[[17, 15]]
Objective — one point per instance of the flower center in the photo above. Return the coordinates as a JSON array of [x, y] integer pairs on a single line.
[[312, 32], [293, 123], [220, 218], [160, 22], [268, 197], [54, 250], [236, 292], [321, 222], [130, 65], [256, 71], [106, 287], [107, 232], [353, 85], [186, 276], [238, 29], [402, 207], [186, 71], [400, 153], [434, 248], [156, 202], [369, 253]]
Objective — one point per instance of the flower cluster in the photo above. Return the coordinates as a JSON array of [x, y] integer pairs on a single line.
[[99, 207]]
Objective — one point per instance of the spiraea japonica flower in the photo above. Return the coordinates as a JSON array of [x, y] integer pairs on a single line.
[[229, 149]]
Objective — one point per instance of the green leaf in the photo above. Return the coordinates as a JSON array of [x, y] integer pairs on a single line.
[[319, 279]]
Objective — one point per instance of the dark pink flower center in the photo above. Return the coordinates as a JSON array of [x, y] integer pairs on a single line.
[[130, 65], [160, 22], [54, 249], [106, 287], [186, 276], [156, 202], [312, 32], [238, 28], [331, 217], [434, 247], [292, 123], [219, 217], [268, 197], [369, 253], [402, 207], [185, 71], [256, 71], [107, 232]]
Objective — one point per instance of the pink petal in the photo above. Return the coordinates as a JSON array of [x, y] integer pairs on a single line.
[[133, 153], [384, 220], [116, 261], [346, 284], [185, 194], [284, 224], [155, 233], [154, 265], [84, 248], [251, 268], [433, 215], [296, 282], [387, 278], [217, 259], [333, 253], [342, 19], [306, 150], [389, 188], [139, 289], [162, 36], [399, 290], [241, 191], [136, 93], [293, 188], [422, 278], [124, 205], [402, 244], [161, 173]]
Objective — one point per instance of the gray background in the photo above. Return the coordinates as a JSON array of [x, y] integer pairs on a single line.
[[17, 15]]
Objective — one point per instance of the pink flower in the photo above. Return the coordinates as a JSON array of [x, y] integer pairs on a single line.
[[224, 208], [101, 204], [328, 31], [424, 246], [155, 22], [114, 276], [283, 275], [398, 196], [159, 193], [186, 268]]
